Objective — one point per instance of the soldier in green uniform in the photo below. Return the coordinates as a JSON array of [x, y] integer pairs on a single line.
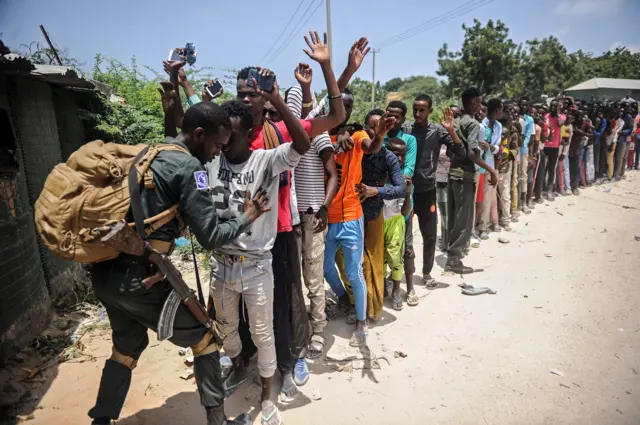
[[179, 178]]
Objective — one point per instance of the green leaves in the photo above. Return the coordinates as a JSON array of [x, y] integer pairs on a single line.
[[491, 61]]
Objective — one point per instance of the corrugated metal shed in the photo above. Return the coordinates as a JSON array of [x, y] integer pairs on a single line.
[[15, 65], [607, 83], [41, 126], [606, 89]]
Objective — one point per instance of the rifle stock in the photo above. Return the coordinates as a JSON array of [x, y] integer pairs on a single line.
[[124, 239]]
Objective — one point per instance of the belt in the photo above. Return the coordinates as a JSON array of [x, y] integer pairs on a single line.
[[230, 259], [457, 173], [162, 247]]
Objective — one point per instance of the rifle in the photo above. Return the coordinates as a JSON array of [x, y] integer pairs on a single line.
[[124, 239]]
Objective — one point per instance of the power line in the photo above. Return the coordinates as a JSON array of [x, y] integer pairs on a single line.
[[463, 8], [288, 36], [295, 31], [282, 33], [434, 22]]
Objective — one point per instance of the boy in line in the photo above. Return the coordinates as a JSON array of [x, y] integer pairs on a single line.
[[462, 174], [244, 266], [395, 211]]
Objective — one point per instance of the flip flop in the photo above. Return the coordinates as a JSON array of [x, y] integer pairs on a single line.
[[471, 290], [359, 338], [397, 302], [231, 384], [351, 316], [316, 346], [412, 298], [272, 416]]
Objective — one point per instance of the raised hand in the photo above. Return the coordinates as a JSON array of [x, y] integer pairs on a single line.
[[205, 92], [357, 53], [175, 70], [304, 74], [168, 96], [275, 92], [447, 119], [384, 124], [319, 50]]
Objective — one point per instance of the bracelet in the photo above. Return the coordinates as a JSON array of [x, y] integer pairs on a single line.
[[308, 104], [337, 96]]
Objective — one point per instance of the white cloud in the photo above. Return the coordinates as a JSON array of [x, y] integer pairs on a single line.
[[633, 48], [587, 7]]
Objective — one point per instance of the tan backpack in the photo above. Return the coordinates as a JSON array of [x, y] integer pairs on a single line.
[[83, 197]]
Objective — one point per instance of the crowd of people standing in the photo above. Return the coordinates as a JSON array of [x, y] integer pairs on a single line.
[[341, 197]]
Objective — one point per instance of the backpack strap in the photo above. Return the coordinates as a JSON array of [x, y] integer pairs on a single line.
[[135, 193], [140, 166]]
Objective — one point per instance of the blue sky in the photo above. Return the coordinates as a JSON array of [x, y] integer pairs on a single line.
[[239, 33]]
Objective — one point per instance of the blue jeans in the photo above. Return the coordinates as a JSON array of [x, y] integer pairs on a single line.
[[350, 237], [637, 152]]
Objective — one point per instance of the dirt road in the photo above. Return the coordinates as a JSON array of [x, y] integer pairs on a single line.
[[558, 344]]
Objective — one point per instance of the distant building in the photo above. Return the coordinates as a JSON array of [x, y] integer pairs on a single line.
[[612, 89]]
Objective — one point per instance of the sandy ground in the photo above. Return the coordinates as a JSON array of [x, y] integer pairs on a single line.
[[567, 301]]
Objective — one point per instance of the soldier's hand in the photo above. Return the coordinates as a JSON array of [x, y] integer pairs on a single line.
[[257, 206]]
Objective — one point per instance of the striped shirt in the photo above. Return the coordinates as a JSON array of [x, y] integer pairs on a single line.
[[310, 181]]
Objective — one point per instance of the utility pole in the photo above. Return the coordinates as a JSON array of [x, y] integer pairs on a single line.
[[373, 79], [46, 37], [328, 3]]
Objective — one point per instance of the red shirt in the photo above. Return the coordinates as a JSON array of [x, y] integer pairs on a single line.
[[285, 223]]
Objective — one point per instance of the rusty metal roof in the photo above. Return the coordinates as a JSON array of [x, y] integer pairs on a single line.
[[16, 65]]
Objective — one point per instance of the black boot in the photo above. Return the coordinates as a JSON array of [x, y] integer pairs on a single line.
[[216, 416], [455, 265], [114, 386]]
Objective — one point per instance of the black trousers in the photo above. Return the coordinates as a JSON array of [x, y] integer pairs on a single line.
[[290, 320], [574, 171], [552, 161], [461, 199], [540, 176], [424, 206], [132, 310], [596, 159]]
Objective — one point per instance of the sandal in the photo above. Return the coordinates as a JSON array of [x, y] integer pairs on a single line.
[[397, 302], [351, 316], [316, 346], [232, 383], [270, 414], [359, 338], [412, 298]]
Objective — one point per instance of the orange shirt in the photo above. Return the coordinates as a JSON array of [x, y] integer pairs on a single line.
[[346, 204]]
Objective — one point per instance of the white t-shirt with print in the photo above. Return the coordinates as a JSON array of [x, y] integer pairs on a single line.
[[229, 184]]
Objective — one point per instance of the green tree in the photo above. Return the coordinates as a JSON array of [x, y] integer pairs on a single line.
[[362, 94], [488, 59], [543, 69], [393, 84]]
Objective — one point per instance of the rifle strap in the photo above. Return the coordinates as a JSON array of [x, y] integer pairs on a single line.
[[135, 194], [195, 267]]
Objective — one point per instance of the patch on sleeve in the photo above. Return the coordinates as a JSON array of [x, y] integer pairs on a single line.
[[202, 181]]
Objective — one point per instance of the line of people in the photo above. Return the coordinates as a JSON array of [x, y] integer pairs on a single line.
[[341, 198]]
